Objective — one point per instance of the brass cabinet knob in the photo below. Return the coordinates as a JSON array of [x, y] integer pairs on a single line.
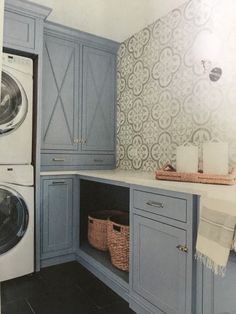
[[182, 248], [80, 141]]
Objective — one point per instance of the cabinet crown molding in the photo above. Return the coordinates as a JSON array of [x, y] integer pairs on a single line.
[[51, 28], [27, 8]]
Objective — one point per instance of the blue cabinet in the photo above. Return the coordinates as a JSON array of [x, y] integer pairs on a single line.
[[23, 26], [60, 101], [58, 220], [162, 268], [99, 90], [19, 30], [79, 97], [218, 294]]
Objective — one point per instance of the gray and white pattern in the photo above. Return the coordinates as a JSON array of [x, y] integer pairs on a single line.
[[164, 97], [167, 65], [138, 78]]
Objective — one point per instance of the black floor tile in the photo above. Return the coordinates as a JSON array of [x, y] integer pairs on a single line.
[[63, 289], [118, 308], [45, 305], [76, 302], [23, 287], [100, 294], [67, 276], [17, 307]]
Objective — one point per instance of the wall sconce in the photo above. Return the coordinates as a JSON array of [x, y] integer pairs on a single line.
[[215, 73], [207, 51], [206, 64]]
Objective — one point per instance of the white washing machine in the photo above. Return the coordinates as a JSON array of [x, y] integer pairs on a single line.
[[16, 221], [16, 110]]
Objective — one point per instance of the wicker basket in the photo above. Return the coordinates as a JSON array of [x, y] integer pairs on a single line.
[[97, 228], [118, 235]]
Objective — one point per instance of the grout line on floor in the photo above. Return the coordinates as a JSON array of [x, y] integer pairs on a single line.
[[32, 310]]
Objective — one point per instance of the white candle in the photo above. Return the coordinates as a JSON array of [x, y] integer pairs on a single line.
[[216, 158], [187, 158]]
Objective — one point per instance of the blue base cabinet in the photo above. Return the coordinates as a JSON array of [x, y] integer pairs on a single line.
[[219, 294], [155, 250], [162, 269], [58, 220], [164, 276]]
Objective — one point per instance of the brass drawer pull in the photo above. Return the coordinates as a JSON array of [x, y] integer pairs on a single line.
[[58, 182], [155, 204], [98, 160], [58, 159], [182, 248]]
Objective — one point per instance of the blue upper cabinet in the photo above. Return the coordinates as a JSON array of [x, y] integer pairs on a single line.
[[23, 25], [60, 116], [78, 102], [99, 86], [19, 30]]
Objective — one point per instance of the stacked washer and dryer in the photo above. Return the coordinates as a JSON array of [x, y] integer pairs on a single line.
[[16, 170]]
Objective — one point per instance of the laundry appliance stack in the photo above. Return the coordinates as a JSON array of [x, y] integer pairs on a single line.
[[16, 169]]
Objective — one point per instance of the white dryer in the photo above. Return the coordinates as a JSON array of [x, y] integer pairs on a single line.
[[16, 221], [16, 110]]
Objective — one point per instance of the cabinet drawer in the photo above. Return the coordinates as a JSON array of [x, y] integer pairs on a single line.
[[76, 160], [98, 160], [160, 204], [19, 31], [59, 160]]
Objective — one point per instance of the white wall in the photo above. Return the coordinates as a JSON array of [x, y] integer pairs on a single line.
[[113, 19]]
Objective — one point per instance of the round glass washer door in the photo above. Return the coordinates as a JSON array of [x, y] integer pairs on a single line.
[[13, 105], [14, 218]]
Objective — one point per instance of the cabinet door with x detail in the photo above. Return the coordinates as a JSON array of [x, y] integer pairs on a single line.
[[98, 104], [60, 105]]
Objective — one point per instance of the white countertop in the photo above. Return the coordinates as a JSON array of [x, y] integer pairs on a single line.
[[147, 179]]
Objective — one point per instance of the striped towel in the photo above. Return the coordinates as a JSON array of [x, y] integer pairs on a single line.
[[216, 233]]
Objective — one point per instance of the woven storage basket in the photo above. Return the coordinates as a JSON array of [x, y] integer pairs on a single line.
[[118, 239], [97, 228]]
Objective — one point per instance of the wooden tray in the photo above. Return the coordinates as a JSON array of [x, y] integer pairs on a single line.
[[169, 173]]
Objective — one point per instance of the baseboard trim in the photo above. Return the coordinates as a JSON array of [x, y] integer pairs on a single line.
[[101, 273], [57, 260]]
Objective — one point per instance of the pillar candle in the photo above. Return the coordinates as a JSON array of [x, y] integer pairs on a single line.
[[216, 158], [187, 158]]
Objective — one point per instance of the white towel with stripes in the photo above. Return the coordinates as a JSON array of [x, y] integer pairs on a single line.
[[216, 233]]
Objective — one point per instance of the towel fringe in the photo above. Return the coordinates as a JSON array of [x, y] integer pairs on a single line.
[[209, 263], [234, 241]]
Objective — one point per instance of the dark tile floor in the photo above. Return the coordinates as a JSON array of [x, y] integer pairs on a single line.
[[63, 289]]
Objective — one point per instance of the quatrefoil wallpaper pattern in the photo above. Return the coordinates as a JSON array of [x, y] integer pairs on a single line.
[[164, 97]]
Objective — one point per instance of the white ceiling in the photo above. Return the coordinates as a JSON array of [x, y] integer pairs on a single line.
[[113, 19]]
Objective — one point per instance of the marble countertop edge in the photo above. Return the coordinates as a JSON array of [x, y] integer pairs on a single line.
[[147, 179]]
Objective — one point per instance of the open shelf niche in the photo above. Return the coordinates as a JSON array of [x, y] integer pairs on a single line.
[[95, 196]]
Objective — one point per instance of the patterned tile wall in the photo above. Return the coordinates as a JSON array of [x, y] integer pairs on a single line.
[[164, 97]]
